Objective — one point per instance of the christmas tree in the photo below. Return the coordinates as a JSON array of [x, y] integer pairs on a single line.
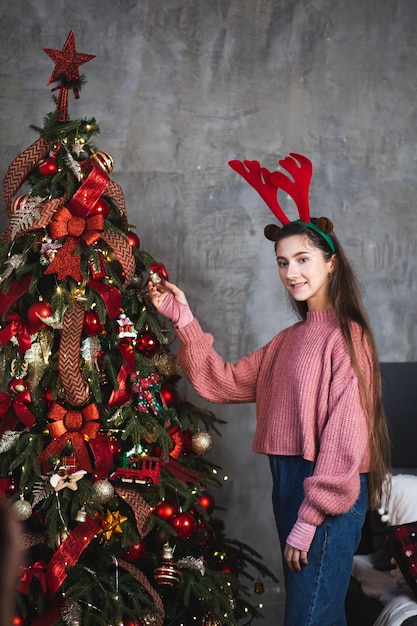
[[102, 460]]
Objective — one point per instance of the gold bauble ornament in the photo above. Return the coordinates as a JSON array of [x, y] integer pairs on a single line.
[[259, 586], [166, 364], [201, 442]]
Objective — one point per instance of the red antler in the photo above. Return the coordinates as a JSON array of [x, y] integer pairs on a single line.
[[267, 183]]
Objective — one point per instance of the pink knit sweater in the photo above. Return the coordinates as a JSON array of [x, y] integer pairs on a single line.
[[307, 399]]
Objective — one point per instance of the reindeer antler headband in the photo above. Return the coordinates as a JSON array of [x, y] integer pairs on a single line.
[[268, 183]]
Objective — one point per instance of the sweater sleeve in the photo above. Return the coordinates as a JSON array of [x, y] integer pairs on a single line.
[[344, 441], [210, 376]]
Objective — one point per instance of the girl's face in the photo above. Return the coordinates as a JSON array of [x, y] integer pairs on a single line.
[[304, 271]]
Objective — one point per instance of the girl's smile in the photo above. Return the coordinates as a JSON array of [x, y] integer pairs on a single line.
[[305, 271]]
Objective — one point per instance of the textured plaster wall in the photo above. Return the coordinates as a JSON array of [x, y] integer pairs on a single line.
[[179, 87]]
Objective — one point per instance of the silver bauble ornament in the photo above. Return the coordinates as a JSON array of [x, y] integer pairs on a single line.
[[103, 491], [22, 509], [201, 442]]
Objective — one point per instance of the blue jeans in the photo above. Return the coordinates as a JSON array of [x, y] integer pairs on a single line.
[[316, 595]]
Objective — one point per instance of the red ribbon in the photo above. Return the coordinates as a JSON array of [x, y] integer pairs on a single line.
[[19, 403], [69, 552], [110, 295], [76, 425], [183, 473], [122, 393], [27, 574], [103, 456], [90, 192], [22, 328]]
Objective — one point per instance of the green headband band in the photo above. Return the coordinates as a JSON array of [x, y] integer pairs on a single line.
[[326, 237]]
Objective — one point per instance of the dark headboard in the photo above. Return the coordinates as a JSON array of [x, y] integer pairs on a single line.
[[399, 391]]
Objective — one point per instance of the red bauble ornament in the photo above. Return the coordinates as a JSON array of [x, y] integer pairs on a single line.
[[100, 208], [207, 502], [147, 343], [165, 510], [158, 272], [18, 202], [184, 525], [169, 394], [38, 310], [16, 385], [135, 552], [133, 239], [92, 323], [131, 622], [48, 167], [18, 620]]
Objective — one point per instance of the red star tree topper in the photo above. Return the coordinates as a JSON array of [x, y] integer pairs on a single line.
[[67, 61]]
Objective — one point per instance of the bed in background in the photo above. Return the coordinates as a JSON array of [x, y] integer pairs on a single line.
[[379, 595]]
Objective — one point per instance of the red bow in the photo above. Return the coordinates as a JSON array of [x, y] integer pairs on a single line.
[[64, 224], [27, 574], [19, 327], [75, 425], [19, 402]]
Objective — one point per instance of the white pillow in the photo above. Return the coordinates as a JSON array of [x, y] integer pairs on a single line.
[[402, 505]]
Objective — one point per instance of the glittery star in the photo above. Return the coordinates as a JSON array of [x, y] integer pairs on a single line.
[[67, 61]]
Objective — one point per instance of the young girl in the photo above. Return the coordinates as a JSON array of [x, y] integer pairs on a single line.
[[317, 390]]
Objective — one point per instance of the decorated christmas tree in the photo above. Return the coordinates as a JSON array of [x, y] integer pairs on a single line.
[[101, 458]]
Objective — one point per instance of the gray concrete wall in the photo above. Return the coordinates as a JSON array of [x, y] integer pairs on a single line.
[[179, 87]]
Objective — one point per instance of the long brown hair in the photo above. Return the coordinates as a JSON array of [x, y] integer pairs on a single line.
[[347, 302]]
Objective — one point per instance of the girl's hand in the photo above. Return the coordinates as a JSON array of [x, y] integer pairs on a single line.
[[170, 301], [296, 559], [158, 292]]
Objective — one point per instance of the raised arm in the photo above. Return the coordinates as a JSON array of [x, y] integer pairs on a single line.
[[171, 302]]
